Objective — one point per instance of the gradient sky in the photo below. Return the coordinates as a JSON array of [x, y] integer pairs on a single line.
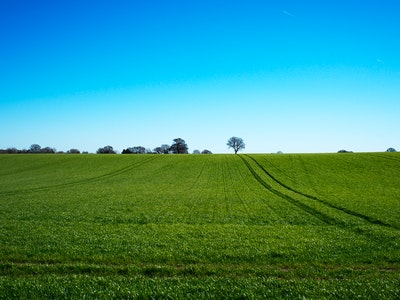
[[291, 76]]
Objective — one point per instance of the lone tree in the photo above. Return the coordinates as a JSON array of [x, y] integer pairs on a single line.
[[236, 143], [179, 147]]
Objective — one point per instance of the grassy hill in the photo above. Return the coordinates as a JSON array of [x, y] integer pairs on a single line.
[[200, 226]]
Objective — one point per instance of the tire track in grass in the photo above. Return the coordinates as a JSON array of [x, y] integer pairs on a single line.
[[232, 196], [243, 202], [238, 191], [324, 202], [195, 197], [225, 190], [323, 217], [310, 182], [220, 192], [82, 181], [198, 175], [264, 203]]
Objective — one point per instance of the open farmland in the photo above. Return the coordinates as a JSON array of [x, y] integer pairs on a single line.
[[200, 226]]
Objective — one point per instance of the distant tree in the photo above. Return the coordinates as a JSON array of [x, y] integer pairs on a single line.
[[135, 150], [179, 147], [165, 148], [127, 151], [73, 151], [196, 152], [236, 143], [139, 150], [11, 150], [106, 150], [157, 150], [344, 151], [48, 150], [205, 151], [391, 150], [35, 148]]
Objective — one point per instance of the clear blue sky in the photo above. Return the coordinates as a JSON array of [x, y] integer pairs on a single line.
[[291, 76]]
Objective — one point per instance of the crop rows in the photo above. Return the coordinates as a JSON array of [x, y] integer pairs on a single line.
[[262, 224]]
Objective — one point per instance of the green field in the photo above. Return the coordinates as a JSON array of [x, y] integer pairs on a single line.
[[200, 226]]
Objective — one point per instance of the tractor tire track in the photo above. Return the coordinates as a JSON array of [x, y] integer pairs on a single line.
[[304, 167], [261, 200], [198, 175], [243, 202], [82, 181], [369, 219], [320, 215]]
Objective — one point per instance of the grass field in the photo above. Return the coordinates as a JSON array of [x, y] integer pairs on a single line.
[[200, 226]]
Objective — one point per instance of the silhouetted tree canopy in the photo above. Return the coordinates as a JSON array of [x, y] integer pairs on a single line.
[[205, 151], [48, 150], [236, 143], [135, 150], [73, 151], [106, 150], [35, 148], [158, 150], [12, 150], [391, 150], [163, 149], [179, 147]]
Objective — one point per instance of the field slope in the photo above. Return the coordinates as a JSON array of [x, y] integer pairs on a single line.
[[200, 226]]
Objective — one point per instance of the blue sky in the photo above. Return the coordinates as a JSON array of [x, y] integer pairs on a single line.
[[291, 76]]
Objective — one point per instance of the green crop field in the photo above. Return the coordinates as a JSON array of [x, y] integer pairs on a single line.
[[319, 226]]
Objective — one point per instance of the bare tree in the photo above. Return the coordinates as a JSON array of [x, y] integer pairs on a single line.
[[236, 143]]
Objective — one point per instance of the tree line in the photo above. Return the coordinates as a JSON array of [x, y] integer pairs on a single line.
[[37, 149], [179, 146]]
